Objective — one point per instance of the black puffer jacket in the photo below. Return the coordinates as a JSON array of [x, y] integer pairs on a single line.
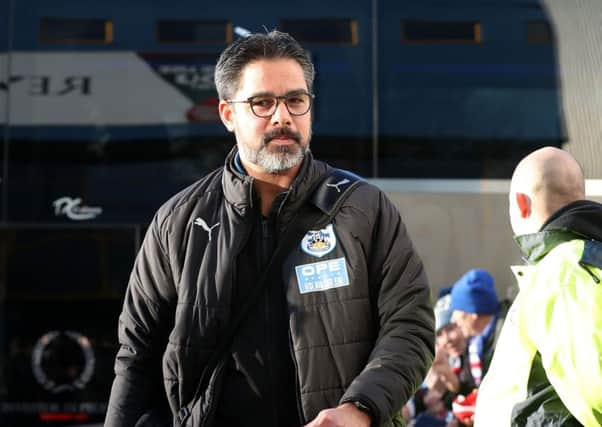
[[371, 340]]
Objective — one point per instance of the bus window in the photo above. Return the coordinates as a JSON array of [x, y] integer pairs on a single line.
[[322, 31], [194, 32], [440, 32], [64, 30]]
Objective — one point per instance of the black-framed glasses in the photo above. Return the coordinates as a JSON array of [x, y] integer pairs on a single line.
[[264, 106]]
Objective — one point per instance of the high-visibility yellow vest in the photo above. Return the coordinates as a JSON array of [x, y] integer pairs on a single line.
[[558, 313]]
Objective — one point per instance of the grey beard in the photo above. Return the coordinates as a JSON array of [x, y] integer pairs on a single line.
[[273, 162]]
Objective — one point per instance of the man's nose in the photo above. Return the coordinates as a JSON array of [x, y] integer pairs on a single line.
[[281, 116]]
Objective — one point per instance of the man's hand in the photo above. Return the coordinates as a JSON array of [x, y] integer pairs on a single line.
[[345, 415]]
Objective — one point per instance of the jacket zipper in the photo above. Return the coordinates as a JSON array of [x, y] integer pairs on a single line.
[[269, 364], [211, 404], [290, 337], [265, 256], [284, 199]]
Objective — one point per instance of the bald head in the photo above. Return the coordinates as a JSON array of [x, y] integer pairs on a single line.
[[543, 182]]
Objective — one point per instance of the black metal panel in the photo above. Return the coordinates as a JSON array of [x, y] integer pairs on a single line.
[[62, 293]]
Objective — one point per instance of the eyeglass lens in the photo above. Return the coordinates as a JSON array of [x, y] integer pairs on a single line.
[[296, 104]]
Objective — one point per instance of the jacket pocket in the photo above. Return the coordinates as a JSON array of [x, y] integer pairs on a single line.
[[200, 411], [155, 417]]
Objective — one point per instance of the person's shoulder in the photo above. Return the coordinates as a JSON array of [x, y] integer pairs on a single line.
[[366, 198], [366, 191], [563, 266], [372, 200], [207, 185]]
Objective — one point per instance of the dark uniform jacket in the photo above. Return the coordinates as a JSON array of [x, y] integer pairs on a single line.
[[364, 331]]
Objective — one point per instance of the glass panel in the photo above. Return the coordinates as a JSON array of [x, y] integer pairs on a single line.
[[99, 139], [194, 32], [120, 181], [104, 258], [61, 30], [63, 289], [108, 136], [470, 108], [327, 31]]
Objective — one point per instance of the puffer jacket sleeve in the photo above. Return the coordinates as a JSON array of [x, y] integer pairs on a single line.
[[404, 348], [144, 326]]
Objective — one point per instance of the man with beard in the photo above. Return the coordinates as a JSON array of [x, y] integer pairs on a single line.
[[342, 334], [547, 365]]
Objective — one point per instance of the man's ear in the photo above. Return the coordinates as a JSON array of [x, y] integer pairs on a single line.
[[524, 204], [226, 113]]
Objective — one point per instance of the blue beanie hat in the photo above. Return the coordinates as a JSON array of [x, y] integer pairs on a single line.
[[475, 293]]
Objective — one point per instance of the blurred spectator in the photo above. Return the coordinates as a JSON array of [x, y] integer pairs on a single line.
[[450, 345], [479, 314], [432, 404], [468, 319]]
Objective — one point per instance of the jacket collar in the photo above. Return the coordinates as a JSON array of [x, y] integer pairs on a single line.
[[536, 245], [577, 220]]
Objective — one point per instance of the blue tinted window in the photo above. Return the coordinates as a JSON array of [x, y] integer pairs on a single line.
[[62, 30], [194, 32], [440, 32], [323, 31]]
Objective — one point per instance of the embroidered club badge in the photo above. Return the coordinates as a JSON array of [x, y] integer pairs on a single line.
[[319, 242]]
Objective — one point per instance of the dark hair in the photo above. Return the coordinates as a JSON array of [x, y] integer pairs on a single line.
[[272, 45]]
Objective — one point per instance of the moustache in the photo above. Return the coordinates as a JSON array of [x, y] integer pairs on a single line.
[[295, 136]]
